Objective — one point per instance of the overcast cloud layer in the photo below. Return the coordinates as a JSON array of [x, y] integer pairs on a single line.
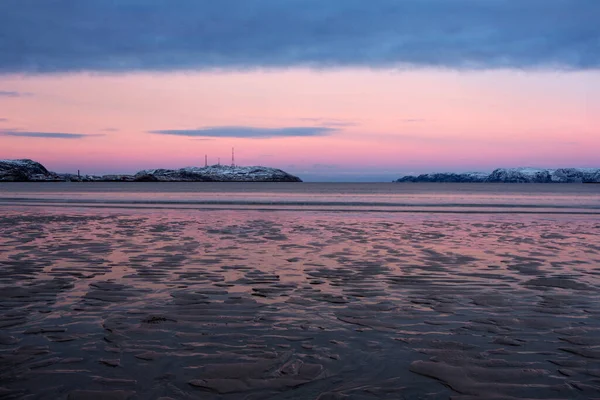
[[166, 35], [249, 132]]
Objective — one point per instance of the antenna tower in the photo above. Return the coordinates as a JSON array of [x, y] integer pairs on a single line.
[[232, 158], [206, 160]]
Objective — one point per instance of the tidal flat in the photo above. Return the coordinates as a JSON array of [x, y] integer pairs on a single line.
[[242, 304]]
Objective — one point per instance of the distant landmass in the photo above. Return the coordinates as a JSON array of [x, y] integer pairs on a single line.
[[32, 171], [513, 175]]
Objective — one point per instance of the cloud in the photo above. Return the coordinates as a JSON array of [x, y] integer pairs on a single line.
[[413, 120], [46, 135], [249, 132], [130, 35], [10, 93], [483, 139], [330, 122], [3, 119], [325, 166], [110, 130]]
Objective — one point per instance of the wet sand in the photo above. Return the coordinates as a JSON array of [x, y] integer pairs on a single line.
[[148, 304]]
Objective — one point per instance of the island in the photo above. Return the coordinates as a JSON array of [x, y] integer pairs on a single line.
[[513, 175], [31, 171]]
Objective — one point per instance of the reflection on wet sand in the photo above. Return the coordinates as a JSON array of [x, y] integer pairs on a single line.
[[256, 305]]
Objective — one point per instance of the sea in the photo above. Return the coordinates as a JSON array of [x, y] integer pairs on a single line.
[[341, 197], [321, 291]]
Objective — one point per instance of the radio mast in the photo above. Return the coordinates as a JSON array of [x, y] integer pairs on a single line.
[[232, 158], [206, 160]]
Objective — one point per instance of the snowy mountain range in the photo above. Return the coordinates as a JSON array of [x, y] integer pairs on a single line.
[[514, 175]]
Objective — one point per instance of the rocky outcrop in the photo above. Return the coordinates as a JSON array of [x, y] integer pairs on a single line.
[[515, 175], [533, 175], [587, 175], [520, 175], [25, 171], [96, 178], [466, 177], [31, 171]]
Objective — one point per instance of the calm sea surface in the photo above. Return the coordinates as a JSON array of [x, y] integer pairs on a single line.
[[390, 197]]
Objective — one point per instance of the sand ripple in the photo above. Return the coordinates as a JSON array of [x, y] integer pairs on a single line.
[[246, 304]]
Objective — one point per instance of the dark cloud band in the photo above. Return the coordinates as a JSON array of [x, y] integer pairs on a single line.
[[6, 93], [163, 35], [248, 132], [47, 135]]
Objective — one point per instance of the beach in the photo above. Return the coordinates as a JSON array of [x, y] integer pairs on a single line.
[[299, 200], [194, 296]]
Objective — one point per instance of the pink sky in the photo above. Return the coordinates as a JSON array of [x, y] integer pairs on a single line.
[[389, 123]]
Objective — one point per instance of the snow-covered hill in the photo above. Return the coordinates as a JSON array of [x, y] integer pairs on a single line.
[[217, 173]]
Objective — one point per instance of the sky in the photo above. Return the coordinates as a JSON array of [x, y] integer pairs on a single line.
[[335, 90]]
